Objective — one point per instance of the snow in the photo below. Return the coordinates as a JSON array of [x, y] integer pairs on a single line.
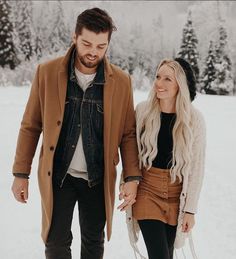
[[215, 230]]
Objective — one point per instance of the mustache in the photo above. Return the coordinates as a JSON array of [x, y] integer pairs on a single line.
[[92, 56]]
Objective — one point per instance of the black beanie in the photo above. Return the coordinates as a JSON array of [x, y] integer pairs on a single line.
[[190, 75]]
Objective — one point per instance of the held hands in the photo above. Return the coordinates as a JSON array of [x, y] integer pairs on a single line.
[[20, 189], [188, 222], [128, 193]]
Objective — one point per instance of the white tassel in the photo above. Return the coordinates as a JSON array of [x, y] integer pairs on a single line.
[[136, 252], [176, 255], [191, 245], [183, 253], [132, 226]]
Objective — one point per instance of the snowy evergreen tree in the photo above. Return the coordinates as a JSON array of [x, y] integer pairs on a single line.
[[134, 53], [24, 31], [59, 37], [224, 80], [188, 49], [209, 72], [38, 49], [155, 51], [8, 55], [42, 28]]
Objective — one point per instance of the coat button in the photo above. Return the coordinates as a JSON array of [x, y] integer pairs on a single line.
[[73, 146], [49, 173], [58, 123], [52, 148]]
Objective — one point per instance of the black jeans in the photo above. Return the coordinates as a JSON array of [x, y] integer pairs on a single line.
[[159, 238], [91, 218]]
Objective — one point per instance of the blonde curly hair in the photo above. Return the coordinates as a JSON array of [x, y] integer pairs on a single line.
[[148, 126]]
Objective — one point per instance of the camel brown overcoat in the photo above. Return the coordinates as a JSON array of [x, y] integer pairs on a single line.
[[44, 114]]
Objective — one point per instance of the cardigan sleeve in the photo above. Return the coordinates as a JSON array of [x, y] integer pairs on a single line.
[[196, 173]]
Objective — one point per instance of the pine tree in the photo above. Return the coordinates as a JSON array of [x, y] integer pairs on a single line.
[[188, 49], [38, 43], [224, 81], [209, 73], [156, 51], [134, 57], [7, 48], [24, 29], [60, 37], [43, 30]]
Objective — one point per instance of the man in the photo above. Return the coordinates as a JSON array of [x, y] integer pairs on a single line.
[[84, 107]]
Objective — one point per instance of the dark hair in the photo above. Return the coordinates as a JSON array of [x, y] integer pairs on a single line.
[[95, 20], [190, 75]]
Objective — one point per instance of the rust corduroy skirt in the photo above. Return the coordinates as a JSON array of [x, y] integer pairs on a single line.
[[157, 198]]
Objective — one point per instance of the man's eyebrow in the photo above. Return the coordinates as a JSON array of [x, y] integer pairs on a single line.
[[100, 44], [86, 41]]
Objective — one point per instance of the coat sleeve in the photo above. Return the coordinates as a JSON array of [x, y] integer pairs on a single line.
[[128, 147], [196, 173], [30, 130]]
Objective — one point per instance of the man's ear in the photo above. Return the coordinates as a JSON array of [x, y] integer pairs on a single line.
[[74, 38]]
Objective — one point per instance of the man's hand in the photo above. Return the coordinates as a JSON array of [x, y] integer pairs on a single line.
[[188, 222], [20, 189], [128, 192]]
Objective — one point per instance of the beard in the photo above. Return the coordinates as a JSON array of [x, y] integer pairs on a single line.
[[86, 62]]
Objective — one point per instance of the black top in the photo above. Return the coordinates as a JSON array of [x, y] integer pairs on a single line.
[[165, 141]]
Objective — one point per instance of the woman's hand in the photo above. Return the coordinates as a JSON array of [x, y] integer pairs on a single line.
[[188, 222], [128, 192]]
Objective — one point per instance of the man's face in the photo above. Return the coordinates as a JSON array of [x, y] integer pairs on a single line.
[[91, 49]]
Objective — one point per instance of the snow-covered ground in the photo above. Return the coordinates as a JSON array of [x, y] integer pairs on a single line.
[[215, 231]]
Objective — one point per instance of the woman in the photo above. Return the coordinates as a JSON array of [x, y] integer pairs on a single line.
[[171, 142]]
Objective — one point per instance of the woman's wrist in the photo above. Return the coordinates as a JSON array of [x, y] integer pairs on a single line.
[[189, 212]]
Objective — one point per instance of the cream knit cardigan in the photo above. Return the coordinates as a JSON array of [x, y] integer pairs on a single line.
[[192, 183]]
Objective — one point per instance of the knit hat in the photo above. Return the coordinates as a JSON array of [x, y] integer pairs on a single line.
[[190, 75]]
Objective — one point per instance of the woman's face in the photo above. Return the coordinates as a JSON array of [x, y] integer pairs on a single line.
[[165, 83]]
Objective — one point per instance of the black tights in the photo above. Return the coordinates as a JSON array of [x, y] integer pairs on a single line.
[[159, 238]]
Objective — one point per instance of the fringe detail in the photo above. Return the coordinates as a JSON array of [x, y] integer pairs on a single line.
[[133, 234], [137, 252], [192, 249], [176, 255], [191, 245], [182, 250]]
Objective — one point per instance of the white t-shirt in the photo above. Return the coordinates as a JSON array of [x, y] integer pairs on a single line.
[[78, 166]]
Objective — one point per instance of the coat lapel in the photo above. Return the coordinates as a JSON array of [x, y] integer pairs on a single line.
[[109, 88], [63, 78], [62, 86]]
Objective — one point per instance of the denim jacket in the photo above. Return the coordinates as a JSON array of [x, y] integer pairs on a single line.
[[83, 115]]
